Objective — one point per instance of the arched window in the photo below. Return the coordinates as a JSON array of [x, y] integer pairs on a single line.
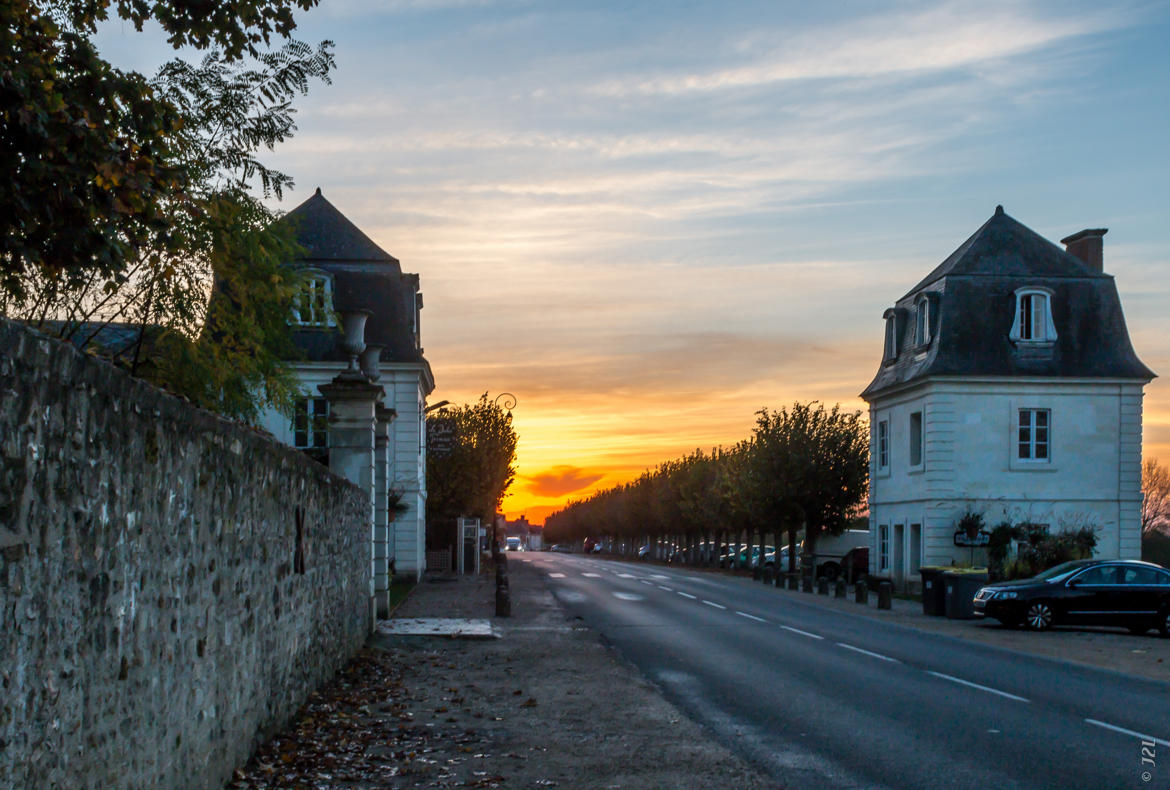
[[1033, 318], [313, 306], [922, 321], [890, 352]]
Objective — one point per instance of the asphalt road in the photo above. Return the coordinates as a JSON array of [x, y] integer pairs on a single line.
[[823, 699]]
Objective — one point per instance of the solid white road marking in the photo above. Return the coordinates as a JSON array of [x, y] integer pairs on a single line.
[[712, 603], [625, 596], [556, 575], [988, 689], [868, 653], [592, 575], [1124, 731], [802, 633], [752, 617], [688, 595]]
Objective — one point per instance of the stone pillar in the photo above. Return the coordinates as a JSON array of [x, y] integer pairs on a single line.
[[352, 401], [383, 548]]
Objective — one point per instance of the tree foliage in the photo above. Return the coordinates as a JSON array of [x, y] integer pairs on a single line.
[[1155, 497], [139, 215], [469, 472], [805, 467], [87, 161]]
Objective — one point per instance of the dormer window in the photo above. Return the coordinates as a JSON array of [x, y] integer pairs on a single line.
[[890, 352], [922, 322], [313, 306], [1033, 322]]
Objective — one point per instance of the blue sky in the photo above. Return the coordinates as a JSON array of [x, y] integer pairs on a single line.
[[648, 220]]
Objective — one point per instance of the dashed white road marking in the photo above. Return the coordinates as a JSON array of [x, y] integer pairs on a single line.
[[688, 595], [712, 603], [625, 596], [802, 633], [645, 581], [592, 575], [626, 576], [988, 689], [868, 653], [1124, 731], [752, 617], [664, 587], [658, 576], [556, 575]]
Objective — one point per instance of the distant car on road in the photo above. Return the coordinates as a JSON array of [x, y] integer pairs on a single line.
[[561, 548], [513, 544], [644, 552], [1126, 593]]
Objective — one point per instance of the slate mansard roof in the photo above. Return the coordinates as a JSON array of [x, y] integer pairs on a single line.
[[365, 277], [973, 303]]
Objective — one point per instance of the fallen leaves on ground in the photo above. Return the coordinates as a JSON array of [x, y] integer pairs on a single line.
[[360, 732]]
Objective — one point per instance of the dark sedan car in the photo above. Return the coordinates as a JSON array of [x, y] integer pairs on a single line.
[[1127, 593]]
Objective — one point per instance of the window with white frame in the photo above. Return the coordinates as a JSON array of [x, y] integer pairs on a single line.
[[922, 322], [883, 548], [883, 444], [916, 438], [1033, 318], [311, 424], [1033, 435], [313, 305]]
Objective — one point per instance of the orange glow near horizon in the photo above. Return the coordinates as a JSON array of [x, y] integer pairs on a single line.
[[571, 447]]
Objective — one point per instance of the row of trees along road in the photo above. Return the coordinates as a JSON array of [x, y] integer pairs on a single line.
[[125, 198], [805, 468], [471, 454]]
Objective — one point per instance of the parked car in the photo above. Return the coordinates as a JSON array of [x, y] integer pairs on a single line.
[[831, 551], [644, 552], [1126, 593], [561, 548], [855, 564]]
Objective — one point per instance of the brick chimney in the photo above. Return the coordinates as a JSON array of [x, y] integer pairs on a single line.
[[1088, 245]]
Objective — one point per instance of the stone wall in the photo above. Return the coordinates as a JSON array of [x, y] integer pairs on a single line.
[[172, 585]]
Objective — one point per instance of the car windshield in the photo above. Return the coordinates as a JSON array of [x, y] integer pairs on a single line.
[[1060, 571]]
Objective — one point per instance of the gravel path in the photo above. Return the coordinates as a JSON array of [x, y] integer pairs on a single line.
[[546, 705]]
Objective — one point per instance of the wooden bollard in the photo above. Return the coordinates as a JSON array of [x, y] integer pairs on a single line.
[[885, 595], [822, 586], [839, 589], [861, 592]]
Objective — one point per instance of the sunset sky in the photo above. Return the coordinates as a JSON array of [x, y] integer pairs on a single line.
[[648, 220]]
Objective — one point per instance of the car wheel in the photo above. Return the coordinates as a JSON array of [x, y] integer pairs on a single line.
[[1039, 616], [1164, 623]]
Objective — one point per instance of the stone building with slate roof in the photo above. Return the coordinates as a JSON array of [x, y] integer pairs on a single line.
[[1008, 387], [349, 272]]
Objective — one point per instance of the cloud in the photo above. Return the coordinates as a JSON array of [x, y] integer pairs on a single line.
[[561, 480], [932, 40]]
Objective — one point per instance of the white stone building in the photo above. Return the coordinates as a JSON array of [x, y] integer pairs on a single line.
[[1008, 387], [349, 272]]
